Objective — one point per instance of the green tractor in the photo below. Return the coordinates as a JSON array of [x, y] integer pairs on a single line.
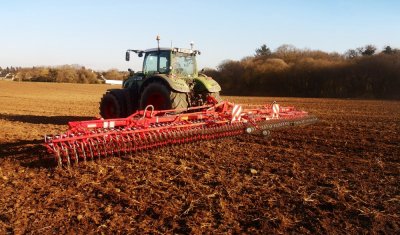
[[169, 80]]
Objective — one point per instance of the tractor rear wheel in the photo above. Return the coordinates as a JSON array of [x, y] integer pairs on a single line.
[[112, 105], [162, 97]]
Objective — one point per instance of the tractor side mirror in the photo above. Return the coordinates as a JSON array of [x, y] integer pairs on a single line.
[[127, 56]]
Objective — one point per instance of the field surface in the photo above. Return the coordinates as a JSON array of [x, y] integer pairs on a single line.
[[338, 176]]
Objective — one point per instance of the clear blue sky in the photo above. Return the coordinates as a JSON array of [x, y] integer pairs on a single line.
[[97, 33]]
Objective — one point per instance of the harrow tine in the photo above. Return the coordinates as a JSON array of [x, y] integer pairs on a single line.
[[68, 159], [59, 160], [75, 153], [90, 149]]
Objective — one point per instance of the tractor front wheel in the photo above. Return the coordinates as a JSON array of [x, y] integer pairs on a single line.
[[112, 105]]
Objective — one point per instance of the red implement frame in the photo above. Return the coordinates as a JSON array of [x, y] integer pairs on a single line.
[[145, 129]]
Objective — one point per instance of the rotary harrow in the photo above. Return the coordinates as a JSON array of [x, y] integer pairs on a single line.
[[149, 128]]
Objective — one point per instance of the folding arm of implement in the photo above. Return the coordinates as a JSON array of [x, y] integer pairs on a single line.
[[145, 129]]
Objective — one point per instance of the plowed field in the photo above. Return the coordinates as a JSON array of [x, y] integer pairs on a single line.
[[340, 175]]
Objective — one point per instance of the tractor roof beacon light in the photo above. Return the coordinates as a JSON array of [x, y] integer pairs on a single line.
[[158, 41]]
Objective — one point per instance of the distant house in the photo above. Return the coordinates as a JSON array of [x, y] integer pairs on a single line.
[[111, 82], [9, 77]]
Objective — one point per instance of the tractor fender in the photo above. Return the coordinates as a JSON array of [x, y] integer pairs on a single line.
[[175, 84], [207, 83]]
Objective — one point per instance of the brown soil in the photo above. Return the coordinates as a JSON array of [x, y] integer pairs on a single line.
[[339, 176]]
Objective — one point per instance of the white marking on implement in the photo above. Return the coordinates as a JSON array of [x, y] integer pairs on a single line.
[[275, 110], [105, 124], [236, 111], [112, 124], [93, 125]]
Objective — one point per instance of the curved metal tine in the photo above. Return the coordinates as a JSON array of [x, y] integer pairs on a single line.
[[76, 153], [119, 144], [145, 143], [83, 152], [68, 159], [149, 140], [59, 160], [90, 148], [143, 139], [115, 147], [207, 131], [178, 137], [161, 138], [125, 144], [122, 147], [189, 138], [166, 138], [61, 153], [134, 143], [186, 136], [169, 137], [156, 139], [129, 144], [140, 143], [174, 138], [109, 145], [104, 146], [98, 147]]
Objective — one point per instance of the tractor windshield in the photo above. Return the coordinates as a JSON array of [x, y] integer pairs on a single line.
[[154, 59], [184, 65]]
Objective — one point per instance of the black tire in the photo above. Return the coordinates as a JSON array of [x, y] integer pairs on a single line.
[[162, 97], [132, 101], [113, 105]]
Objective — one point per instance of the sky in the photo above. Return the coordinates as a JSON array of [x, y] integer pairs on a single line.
[[96, 33]]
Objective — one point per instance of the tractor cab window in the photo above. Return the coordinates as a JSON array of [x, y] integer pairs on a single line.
[[151, 62], [164, 62], [184, 65]]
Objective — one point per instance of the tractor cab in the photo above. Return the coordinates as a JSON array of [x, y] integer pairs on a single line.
[[174, 62]]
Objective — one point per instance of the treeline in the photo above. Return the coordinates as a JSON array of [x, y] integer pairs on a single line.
[[65, 74], [289, 71]]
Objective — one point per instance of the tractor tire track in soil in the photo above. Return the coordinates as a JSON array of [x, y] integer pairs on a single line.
[[337, 176]]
